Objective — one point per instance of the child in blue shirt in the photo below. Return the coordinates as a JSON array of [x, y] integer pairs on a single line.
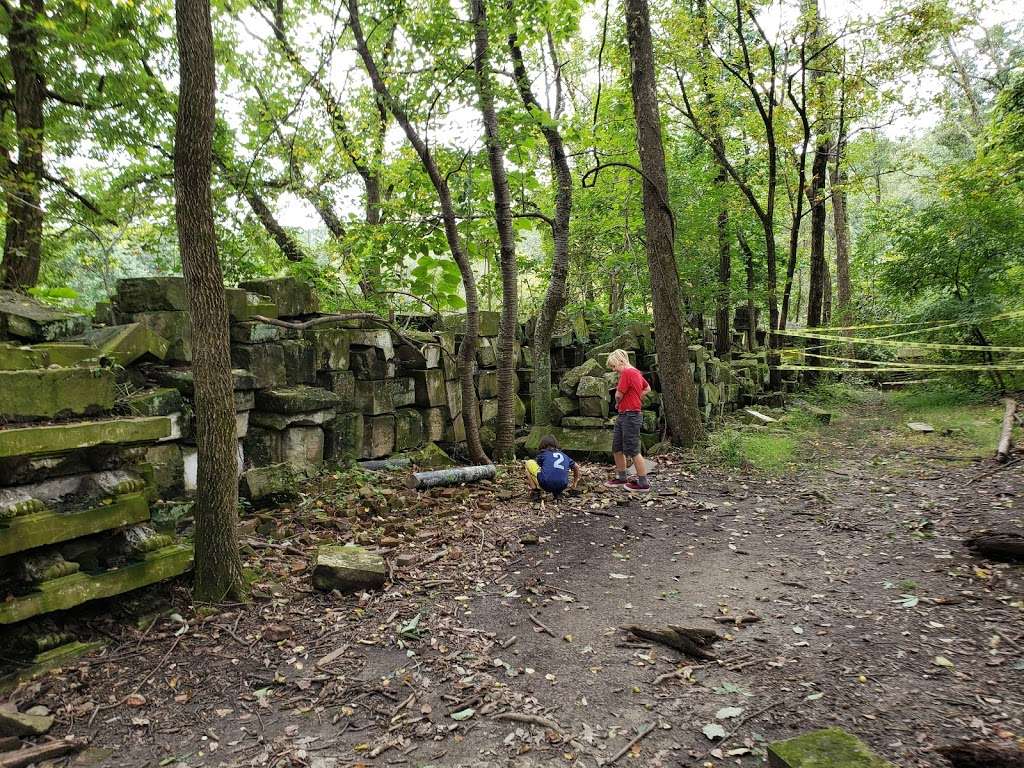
[[550, 470]]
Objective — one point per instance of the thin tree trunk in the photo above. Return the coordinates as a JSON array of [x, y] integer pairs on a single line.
[[288, 245], [467, 351], [505, 433], [748, 258], [554, 298], [844, 289], [24, 230], [678, 391], [816, 197], [218, 567], [723, 338]]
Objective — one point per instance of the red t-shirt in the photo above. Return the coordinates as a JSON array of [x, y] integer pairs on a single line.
[[632, 386]]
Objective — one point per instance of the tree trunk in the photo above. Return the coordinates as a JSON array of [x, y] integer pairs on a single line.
[[218, 567], [816, 198], [505, 432], [748, 258], [723, 338], [554, 298], [678, 391], [24, 231], [844, 289], [467, 351]]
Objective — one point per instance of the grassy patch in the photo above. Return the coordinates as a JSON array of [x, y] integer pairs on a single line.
[[966, 420]]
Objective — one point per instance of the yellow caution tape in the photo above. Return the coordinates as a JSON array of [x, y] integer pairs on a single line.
[[898, 343], [874, 326], [901, 369], [807, 352]]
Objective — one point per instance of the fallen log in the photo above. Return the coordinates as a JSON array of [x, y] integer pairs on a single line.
[[37, 754], [982, 755], [998, 545], [693, 642], [1006, 433], [420, 481]]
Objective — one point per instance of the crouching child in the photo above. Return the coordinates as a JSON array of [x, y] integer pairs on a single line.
[[550, 470]]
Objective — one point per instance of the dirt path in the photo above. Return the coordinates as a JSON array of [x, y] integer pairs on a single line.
[[872, 616]]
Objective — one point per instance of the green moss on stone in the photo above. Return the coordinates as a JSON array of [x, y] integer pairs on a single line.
[[61, 438], [51, 392], [827, 748]]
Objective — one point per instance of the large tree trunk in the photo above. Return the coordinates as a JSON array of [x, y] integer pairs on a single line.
[[505, 432], [844, 289], [816, 198], [678, 391], [24, 231], [467, 351], [554, 298], [218, 567]]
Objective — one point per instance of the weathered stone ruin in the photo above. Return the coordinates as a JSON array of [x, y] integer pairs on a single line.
[[96, 440]]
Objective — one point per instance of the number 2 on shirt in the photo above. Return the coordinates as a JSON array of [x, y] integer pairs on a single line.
[[559, 460]]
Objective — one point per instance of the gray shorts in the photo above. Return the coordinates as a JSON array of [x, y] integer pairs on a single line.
[[626, 436]]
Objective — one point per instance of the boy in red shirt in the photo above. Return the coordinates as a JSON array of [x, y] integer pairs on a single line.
[[629, 395]]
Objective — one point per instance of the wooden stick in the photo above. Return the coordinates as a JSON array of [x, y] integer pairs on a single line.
[[523, 717], [991, 472], [543, 627], [636, 739], [37, 754], [1005, 434]]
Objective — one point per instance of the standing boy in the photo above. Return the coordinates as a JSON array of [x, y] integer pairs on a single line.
[[629, 395]]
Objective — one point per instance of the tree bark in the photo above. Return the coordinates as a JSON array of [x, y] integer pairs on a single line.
[[1006, 431], [467, 351], [748, 258], [218, 567], [678, 391], [554, 298], [816, 198], [24, 230], [844, 288], [723, 338], [505, 432]]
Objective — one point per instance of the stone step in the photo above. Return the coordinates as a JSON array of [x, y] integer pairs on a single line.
[[52, 392], [44, 662], [124, 344], [30, 320], [69, 591], [36, 530], [61, 438]]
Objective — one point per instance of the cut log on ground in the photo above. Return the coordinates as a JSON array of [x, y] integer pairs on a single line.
[[983, 755], [998, 545], [1006, 433], [37, 754], [420, 481], [693, 642]]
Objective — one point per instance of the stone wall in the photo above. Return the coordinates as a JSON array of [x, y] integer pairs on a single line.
[[97, 416]]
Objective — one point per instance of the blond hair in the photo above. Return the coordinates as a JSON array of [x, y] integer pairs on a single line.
[[618, 357]]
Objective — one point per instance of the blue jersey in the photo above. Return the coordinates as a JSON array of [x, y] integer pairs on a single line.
[[554, 470]]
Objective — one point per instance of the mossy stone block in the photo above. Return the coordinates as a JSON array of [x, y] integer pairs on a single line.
[[435, 423], [343, 438], [403, 391], [30, 531], [585, 422], [266, 362], [69, 591], [431, 456], [370, 363], [124, 344], [563, 406], [341, 383], [378, 436], [348, 568], [273, 483], [60, 438], [486, 384], [244, 306], [429, 388], [594, 443], [256, 333], [489, 412], [51, 392], [489, 323], [162, 401], [827, 748], [30, 320], [594, 407], [408, 429], [299, 361], [374, 397], [331, 348], [148, 294], [17, 358], [172, 325], [592, 386], [300, 399], [292, 297], [571, 379]]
